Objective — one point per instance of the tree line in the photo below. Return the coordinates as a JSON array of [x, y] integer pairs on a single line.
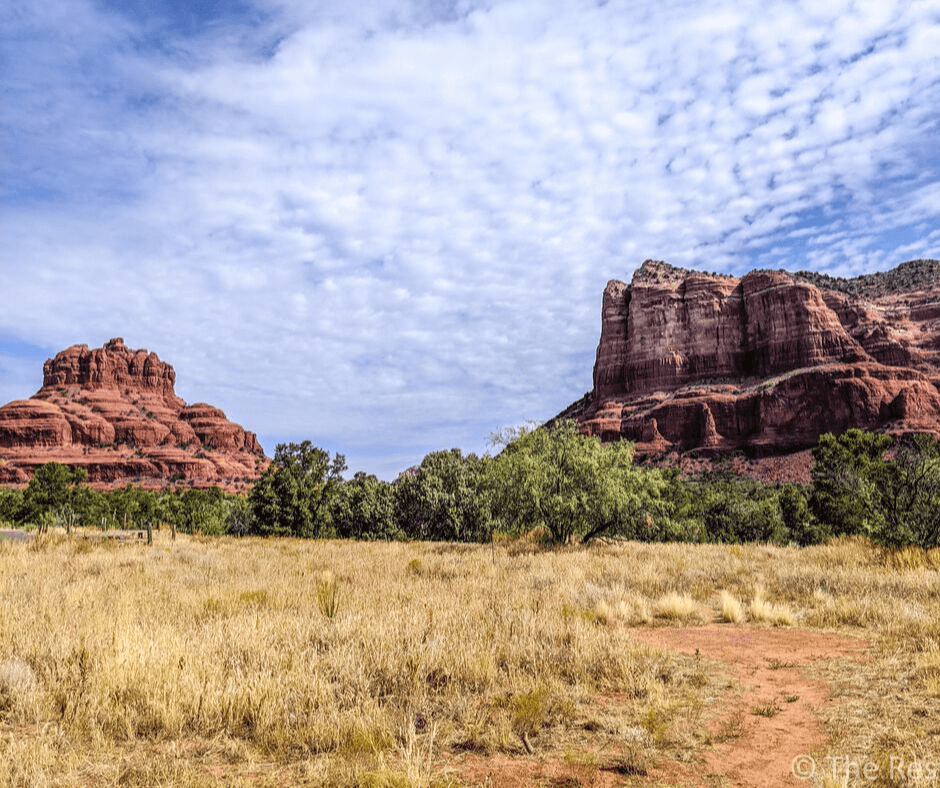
[[59, 496], [551, 481]]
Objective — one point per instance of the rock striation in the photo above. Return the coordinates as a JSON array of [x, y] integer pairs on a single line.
[[706, 363], [113, 411]]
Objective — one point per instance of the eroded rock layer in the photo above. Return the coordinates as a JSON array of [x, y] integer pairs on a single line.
[[764, 363], [113, 411]]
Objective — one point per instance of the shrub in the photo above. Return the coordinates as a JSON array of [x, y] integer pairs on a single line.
[[446, 499], [328, 594]]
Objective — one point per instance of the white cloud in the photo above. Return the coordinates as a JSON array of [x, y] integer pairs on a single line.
[[390, 230]]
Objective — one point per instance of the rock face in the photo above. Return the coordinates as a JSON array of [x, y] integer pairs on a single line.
[[765, 363], [113, 411]]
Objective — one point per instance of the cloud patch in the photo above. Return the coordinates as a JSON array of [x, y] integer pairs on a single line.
[[388, 228]]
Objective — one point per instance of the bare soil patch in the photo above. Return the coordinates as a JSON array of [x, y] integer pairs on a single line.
[[766, 715], [769, 715]]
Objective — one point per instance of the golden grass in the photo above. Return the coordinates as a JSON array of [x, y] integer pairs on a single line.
[[731, 609], [762, 611], [285, 662], [680, 607], [206, 662]]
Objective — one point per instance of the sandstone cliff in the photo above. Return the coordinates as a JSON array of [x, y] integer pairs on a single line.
[[113, 411], [764, 363]]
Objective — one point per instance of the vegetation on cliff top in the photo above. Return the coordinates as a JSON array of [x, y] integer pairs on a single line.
[[904, 278], [908, 276]]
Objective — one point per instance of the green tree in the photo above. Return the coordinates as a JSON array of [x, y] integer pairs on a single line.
[[133, 507], [445, 499], [91, 506], [798, 520], [199, 511], [909, 493], [51, 489], [11, 505], [239, 519], [575, 486], [364, 508], [744, 511], [845, 495], [292, 497]]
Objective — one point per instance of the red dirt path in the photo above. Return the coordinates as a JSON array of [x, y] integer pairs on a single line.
[[767, 669]]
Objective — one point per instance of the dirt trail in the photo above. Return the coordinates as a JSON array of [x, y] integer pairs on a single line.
[[770, 720], [767, 717]]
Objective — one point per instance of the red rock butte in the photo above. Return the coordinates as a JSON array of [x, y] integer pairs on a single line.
[[707, 364], [113, 411]]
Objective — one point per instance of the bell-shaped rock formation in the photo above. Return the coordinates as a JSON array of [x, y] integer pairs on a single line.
[[114, 411]]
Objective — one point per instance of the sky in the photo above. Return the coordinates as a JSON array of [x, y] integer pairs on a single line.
[[386, 226]]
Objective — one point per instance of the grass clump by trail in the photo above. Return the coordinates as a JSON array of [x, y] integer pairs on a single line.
[[731, 610], [676, 607], [766, 612]]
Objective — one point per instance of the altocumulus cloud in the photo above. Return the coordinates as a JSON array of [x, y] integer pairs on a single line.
[[386, 226]]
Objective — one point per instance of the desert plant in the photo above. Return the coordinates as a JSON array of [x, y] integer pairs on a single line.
[[676, 606], [328, 594], [763, 611], [731, 609]]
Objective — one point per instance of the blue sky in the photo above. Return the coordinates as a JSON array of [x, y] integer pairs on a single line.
[[386, 226]]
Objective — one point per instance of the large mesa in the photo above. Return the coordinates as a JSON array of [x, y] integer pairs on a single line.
[[764, 363], [113, 411]]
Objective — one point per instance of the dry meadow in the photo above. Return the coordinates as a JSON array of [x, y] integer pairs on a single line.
[[211, 662]]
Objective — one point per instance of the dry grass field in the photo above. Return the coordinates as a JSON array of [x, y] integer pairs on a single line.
[[211, 662]]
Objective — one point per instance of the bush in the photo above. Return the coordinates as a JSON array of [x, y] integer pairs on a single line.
[[576, 487], [895, 502], [739, 510], [446, 499], [364, 508]]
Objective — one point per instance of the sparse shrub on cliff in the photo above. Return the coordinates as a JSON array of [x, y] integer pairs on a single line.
[[905, 277]]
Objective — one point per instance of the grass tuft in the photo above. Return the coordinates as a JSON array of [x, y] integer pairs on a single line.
[[676, 606], [731, 609], [328, 594], [762, 611]]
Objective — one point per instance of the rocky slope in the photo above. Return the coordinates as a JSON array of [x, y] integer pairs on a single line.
[[763, 364], [113, 411]]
